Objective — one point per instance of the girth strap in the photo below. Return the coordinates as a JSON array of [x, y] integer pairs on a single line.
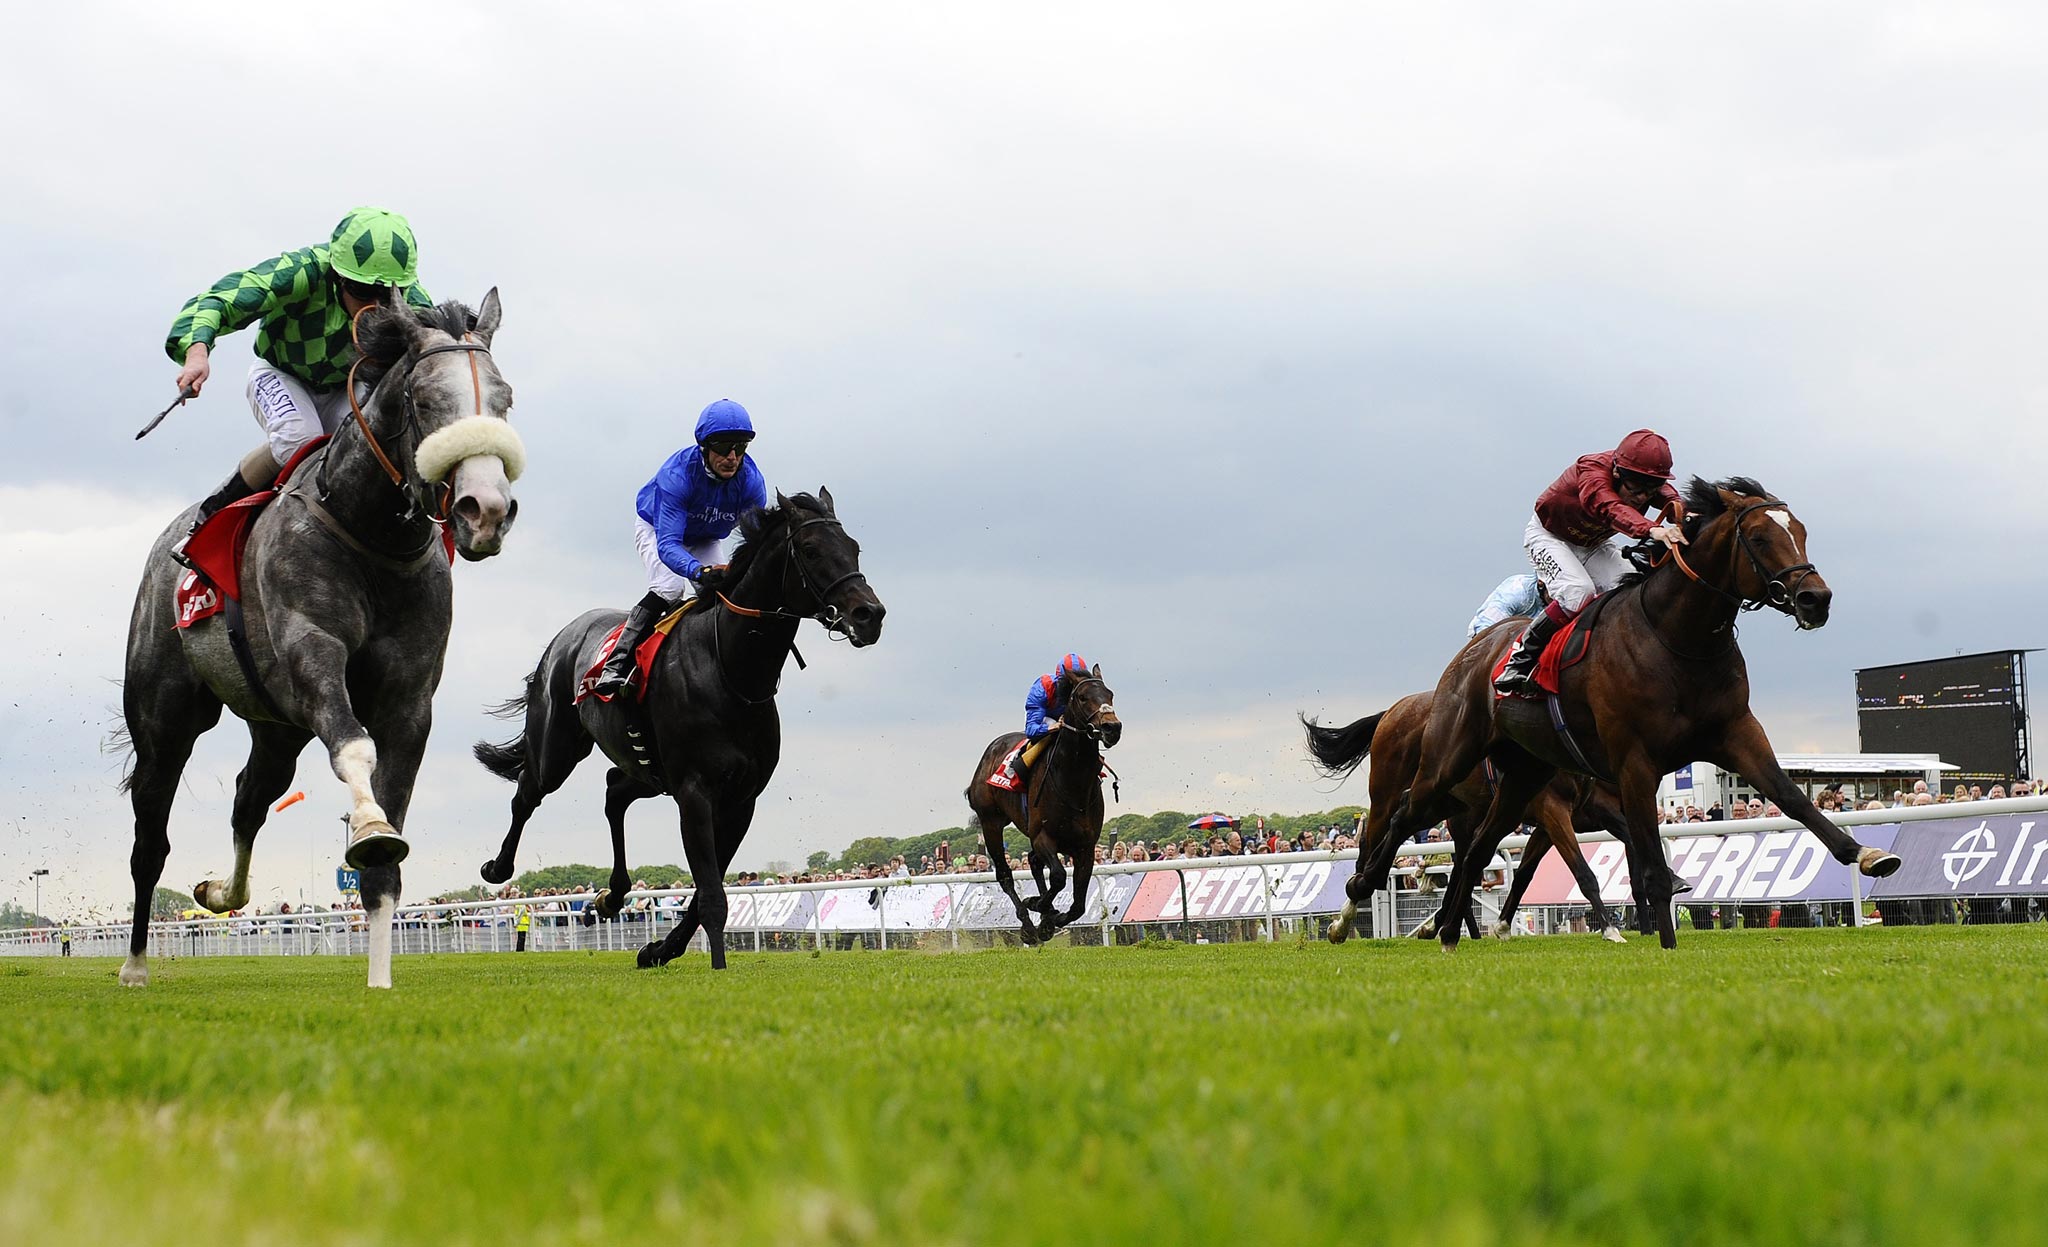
[[1571, 743]]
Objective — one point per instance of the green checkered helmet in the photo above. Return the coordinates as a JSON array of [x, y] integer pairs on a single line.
[[376, 248]]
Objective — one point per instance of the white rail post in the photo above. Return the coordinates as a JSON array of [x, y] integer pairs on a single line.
[[1266, 886], [1855, 895]]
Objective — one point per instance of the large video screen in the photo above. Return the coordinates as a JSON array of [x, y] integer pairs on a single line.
[[1964, 709]]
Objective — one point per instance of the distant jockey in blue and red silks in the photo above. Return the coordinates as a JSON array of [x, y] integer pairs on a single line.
[[1044, 703]]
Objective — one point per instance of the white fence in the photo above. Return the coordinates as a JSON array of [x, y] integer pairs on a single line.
[[1264, 896]]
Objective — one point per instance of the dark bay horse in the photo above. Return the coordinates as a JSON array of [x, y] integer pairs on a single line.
[[346, 599], [1060, 809], [1393, 738], [1663, 686], [709, 719]]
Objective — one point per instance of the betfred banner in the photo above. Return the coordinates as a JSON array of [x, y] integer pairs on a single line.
[[1239, 892], [1998, 856], [1767, 866], [769, 911]]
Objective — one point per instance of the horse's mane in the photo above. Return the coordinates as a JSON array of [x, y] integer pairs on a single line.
[[385, 336], [754, 525], [1703, 497]]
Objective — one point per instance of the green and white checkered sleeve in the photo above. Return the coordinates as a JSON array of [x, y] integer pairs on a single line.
[[239, 299]]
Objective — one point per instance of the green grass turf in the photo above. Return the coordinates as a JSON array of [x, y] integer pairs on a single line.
[[1812, 1086]]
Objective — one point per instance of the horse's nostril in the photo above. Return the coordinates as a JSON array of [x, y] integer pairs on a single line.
[[469, 509]]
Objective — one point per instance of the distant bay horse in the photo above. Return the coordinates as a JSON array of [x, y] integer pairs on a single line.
[[1664, 685], [708, 732], [1059, 809], [346, 599], [1393, 738]]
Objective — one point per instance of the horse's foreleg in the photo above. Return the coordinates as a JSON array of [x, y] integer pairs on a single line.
[[318, 667], [992, 824], [380, 904], [1084, 867], [1525, 870], [1646, 848], [1747, 752], [273, 759]]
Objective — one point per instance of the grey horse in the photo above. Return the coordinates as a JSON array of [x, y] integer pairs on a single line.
[[346, 598]]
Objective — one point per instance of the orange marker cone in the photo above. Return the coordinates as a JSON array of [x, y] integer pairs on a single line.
[[294, 799]]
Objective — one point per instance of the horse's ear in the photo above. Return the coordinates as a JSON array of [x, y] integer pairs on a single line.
[[780, 500], [825, 500], [1729, 498], [1097, 673], [489, 316]]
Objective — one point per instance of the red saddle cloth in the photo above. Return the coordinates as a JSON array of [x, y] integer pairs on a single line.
[[643, 657], [1561, 652]]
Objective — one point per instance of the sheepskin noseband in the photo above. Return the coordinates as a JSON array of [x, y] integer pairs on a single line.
[[466, 438]]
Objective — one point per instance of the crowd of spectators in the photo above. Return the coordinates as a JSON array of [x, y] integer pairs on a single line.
[[1833, 800]]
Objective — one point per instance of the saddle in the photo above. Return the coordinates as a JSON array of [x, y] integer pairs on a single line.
[[1566, 649], [643, 655], [216, 550]]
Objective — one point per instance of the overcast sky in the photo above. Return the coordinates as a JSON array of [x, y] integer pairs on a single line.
[[1227, 344]]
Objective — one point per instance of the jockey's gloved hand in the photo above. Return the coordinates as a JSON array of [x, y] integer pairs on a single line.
[[712, 576], [1669, 534], [1054, 725]]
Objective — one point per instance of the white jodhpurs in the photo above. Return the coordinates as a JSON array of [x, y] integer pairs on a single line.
[[291, 414], [662, 578], [1572, 574]]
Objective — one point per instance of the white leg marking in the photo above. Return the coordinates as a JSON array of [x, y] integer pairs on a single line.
[[380, 942], [1340, 930], [135, 971], [354, 763]]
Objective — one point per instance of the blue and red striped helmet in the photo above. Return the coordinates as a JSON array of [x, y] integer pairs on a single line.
[[1074, 664]]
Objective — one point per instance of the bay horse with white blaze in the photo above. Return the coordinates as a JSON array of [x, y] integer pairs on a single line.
[[1664, 685], [1059, 809], [346, 599], [709, 710]]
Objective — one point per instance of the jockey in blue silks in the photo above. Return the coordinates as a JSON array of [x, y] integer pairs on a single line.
[[1517, 595], [682, 518], [1042, 710]]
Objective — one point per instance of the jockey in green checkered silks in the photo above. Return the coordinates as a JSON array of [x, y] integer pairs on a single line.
[[303, 303]]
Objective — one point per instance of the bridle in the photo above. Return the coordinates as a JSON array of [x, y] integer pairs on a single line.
[[1093, 731], [835, 622], [1779, 586], [446, 490]]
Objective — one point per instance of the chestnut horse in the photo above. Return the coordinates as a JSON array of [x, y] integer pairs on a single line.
[[1664, 685], [1060, 809], [1394, 739]]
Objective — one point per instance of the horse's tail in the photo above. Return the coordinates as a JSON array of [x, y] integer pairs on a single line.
[[1339, 750], [118, 743], [507, 759]]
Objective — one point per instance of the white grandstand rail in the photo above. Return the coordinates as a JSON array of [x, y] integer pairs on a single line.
[[312, 932]]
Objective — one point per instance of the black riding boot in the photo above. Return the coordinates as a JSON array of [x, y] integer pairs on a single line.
[[618, 669], [1519, 675], [234, 489]]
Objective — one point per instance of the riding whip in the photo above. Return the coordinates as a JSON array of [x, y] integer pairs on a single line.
[[184, 393]]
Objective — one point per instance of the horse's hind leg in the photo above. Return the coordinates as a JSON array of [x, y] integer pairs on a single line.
[[166, 710], [273, 759], [1050, 884], [1517, 785], [734, 818], [620, 791], [550, 750], [992, 824]]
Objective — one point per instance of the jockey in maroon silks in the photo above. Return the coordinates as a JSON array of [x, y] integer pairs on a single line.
[[1570, 538]]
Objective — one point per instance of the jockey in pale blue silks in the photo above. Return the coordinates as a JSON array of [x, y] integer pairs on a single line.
[[1043, 707], [682, 518], [1516, 596]]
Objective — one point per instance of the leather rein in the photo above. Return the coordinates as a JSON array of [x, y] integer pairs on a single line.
[[834, 622], [1777, 587]]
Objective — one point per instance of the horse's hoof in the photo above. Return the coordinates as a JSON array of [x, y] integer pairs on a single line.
[[1500, 930], [211, 896], [495, 873], [1679, 887], [1667, 939], [649, 958], [377, 844], [1427, 931], [1613, 935], [135, 973], [604, 905], [1340, 927], [1875, 862], [1449, 946]]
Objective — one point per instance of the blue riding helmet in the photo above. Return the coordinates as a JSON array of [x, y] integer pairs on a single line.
[[1074, 664], [724, 418]]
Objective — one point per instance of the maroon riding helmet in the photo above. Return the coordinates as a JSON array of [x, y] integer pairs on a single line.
[[1644, 453]]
